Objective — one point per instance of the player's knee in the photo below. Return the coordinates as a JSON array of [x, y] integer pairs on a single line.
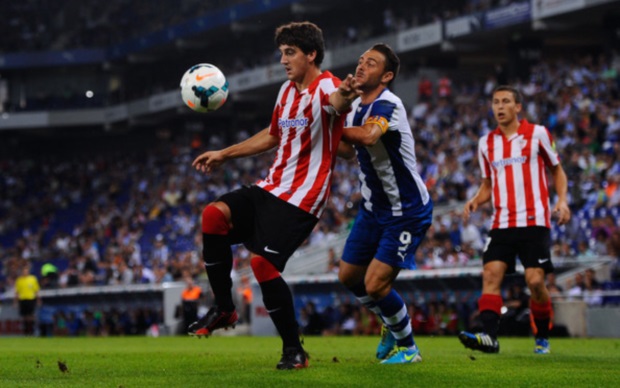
[[536, 284], [346, 279], [491, 278], [214, 221], [490, 274], [263, 269], [351, 276], [377, 289]]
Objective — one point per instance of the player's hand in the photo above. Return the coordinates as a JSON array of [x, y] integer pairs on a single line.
[[208, 161], [348, 88], [470, 206], [562, 212]]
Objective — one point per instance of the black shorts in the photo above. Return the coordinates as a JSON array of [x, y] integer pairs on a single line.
[[267, 225], [27, 307], [531, 244]]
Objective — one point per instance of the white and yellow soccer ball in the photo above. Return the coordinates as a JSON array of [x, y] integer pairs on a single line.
[[204, 88]]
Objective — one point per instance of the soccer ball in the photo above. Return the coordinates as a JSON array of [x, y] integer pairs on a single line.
[[204, 88]]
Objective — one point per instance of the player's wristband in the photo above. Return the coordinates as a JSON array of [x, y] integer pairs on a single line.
[[380, 121]]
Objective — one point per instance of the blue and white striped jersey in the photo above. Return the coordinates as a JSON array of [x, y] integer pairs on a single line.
[[390, 183]]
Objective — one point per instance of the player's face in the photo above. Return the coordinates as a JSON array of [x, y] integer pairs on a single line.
[[505, 109], [370, 71], [295, 62]]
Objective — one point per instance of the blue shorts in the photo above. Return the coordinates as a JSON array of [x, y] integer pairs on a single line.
[[392, 240]]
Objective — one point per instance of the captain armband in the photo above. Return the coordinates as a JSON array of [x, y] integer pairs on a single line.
[[380, 121]]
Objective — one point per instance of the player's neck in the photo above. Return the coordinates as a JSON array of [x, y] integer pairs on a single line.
[[309, 77], [371, 95], [510, 128]]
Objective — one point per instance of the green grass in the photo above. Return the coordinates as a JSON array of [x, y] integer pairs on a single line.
[[335, 362]]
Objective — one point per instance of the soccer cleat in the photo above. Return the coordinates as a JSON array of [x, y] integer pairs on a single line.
[[387, 343], [542, 346], [293, 358], [479, 341], [213, 320], [403, 355]]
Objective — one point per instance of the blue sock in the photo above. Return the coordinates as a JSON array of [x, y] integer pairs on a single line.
[[394, 314]]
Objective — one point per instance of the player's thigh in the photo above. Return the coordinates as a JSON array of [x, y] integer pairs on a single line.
[[279, 229], [361, 245], [501, 246], [535, 248], [241, 212], [399, 241]]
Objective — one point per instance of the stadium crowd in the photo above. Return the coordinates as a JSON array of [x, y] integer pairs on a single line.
[[121, 218], [29, 27]]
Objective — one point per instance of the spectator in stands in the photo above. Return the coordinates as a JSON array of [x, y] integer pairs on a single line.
[[592, 293], [614, 250], [584, 253], [123, 274], [577, 287], [333, 261], [520, 227], [313, 320], [189, 301], [160, 252], [516, 319], [425, 89], [246, 294], [555, 291], [470, 234], [444, 87], [49, 276]]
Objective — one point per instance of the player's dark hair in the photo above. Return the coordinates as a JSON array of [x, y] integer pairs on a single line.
[[507, 88], [305, 35], [392, 62]]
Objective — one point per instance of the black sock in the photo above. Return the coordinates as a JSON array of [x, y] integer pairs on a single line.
[[542, 326], [217, 256], [490, 322], [279, 303]]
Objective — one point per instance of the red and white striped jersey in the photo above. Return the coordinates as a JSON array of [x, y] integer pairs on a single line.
[[309, 129], [516, 167]]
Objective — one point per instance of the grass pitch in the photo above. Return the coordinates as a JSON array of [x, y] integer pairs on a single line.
[[335, 362]]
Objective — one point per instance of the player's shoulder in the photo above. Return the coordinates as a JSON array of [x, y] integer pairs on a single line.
[[534, 128], [286, 85], [389, 96], [326, 80], [540, 130], [483, 141]]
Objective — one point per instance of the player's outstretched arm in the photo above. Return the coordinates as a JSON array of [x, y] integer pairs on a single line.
[[259, 143], [483, 195], [342, 98], [367, 134], [560, 182]]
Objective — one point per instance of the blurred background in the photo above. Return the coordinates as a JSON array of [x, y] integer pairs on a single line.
[[98, 197]]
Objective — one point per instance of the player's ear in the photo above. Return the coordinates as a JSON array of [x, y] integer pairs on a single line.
[[311, 56], [387, 77]]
